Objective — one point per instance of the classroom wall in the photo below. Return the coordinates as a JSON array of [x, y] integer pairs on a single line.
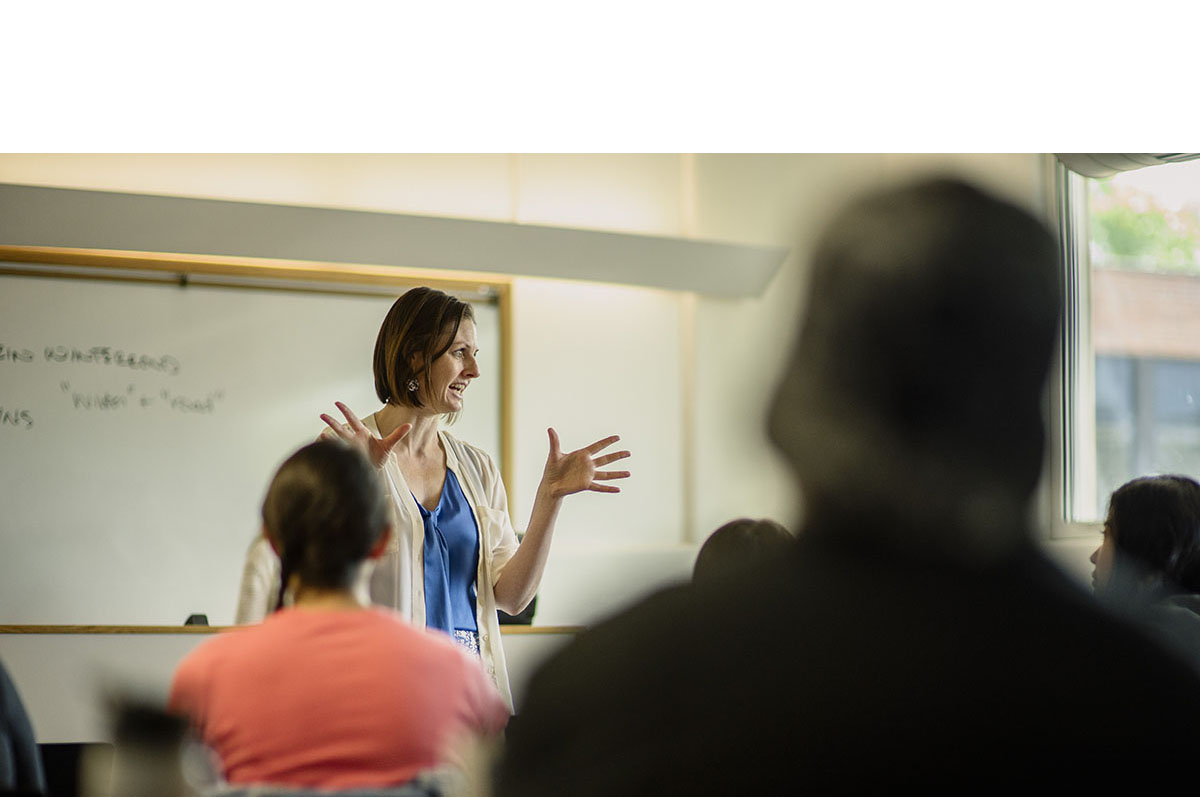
[[684, 378]]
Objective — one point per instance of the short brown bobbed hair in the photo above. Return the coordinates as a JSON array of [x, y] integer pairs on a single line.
[[420, 326]]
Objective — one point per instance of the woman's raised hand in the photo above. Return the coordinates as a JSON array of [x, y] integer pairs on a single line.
[[354, 432], [579, 470]]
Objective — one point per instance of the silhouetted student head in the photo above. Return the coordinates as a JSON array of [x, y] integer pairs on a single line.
[[737, 545], [1151, 543], [418, 329], [325, 513], [913, 400]]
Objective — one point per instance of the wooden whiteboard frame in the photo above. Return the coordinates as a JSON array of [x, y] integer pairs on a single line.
[[273, 275], [284, 275]]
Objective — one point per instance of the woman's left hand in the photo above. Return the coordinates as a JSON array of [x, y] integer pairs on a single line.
[[564, 474], [579, 470]]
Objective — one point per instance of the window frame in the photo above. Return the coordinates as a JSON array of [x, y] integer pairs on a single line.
[[1073, 426]]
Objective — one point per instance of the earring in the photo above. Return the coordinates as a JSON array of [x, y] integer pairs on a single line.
[[411, 385]]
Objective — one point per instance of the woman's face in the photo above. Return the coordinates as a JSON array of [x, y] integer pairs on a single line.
[[1103, 558], [451, 373]]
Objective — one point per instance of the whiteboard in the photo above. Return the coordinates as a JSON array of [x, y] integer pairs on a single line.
[[141, 423]]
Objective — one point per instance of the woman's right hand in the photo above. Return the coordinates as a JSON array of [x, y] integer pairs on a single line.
[[356, 434]]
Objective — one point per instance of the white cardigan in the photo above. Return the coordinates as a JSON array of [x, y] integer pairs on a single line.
[[398, 578]]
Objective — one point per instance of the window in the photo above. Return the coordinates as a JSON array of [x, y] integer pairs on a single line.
[[1131, 353]]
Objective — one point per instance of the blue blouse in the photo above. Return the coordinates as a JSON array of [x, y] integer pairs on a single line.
[[451, 560]]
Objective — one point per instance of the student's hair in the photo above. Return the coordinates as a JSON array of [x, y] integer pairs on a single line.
[[738, 544], [1155, 523], [911, 408], [421, 325], [324, 510]]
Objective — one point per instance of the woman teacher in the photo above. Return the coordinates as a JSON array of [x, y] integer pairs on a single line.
[[455, 558]]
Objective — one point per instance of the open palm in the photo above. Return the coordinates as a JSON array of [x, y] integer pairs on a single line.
[[579, 470], [354, 432]]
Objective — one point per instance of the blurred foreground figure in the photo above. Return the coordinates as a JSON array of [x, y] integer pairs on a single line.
[[913, 637], [20, 763], [331, 693], [152, 755]]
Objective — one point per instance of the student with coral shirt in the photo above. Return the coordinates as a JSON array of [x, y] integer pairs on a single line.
[[329, 693]]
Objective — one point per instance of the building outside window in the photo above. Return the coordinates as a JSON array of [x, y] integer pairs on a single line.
[[1132, 349]]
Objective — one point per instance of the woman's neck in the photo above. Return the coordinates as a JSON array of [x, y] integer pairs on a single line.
[[422, 440], [323, 599]]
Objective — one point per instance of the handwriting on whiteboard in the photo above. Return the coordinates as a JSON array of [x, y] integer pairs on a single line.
[[94, 355], [10, 417], [91, 399]]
